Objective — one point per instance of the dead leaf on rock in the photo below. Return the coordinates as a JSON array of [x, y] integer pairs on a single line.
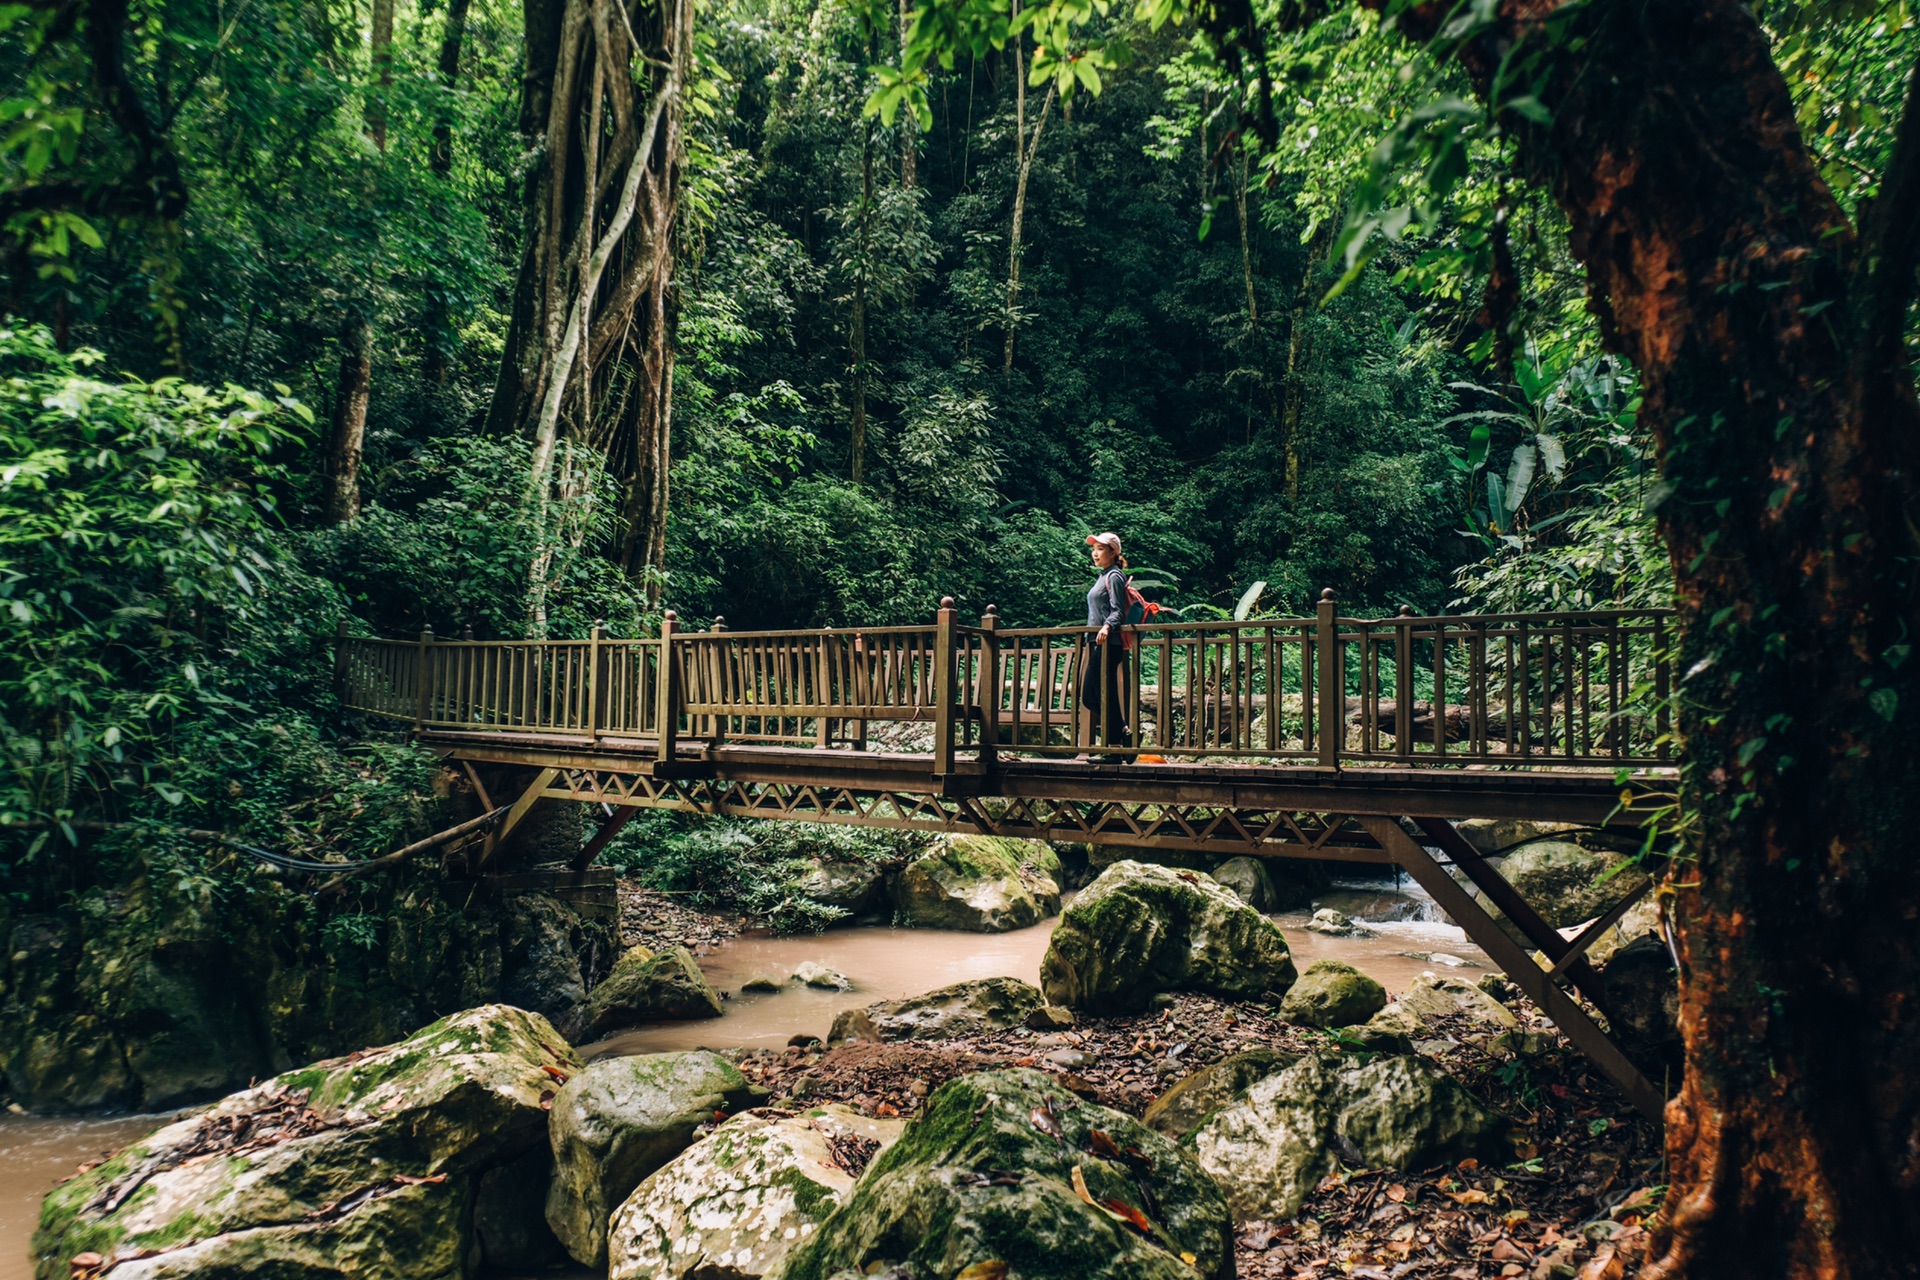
[[1397, 1193], [1101, 1143], [1472, 1195], [990, 1270]]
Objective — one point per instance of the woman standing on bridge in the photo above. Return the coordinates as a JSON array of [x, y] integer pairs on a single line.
[[1104, 666]]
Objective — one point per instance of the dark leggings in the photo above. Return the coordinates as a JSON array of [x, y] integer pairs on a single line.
[[1111, 659]]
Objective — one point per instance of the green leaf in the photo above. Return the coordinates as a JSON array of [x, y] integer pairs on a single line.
[[1885, 703]]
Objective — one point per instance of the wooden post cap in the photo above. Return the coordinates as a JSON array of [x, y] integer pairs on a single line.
[[946, 602], [1326, 593], [993, 611], [670, 616], [1406, 611], [466, 632]]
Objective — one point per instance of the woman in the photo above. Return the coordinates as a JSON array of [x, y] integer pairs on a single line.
[[1104, 667]]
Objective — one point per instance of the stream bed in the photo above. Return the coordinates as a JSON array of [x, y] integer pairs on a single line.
[[36, 1152]]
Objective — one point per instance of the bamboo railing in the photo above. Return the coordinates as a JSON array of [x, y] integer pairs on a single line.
[[1579, 689]]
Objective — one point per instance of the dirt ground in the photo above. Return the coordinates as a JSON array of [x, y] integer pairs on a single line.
[[1573, 1200]]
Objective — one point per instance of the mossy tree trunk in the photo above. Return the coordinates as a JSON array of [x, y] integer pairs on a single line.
[[1769, 335]]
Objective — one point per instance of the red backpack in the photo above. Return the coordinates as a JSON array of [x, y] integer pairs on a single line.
[[1139, 610]]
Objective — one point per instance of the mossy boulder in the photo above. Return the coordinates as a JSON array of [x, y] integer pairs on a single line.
[[1432, 997], [857, 888], [979, 884], [647, 986], [1186, 1106], [1331, 994], [1565, 883], [365, 1166], [963, 1009], [619, 1120], [1139, 930], [987, 1174], [1249, 878], [743, 1198], [1271, 1147]]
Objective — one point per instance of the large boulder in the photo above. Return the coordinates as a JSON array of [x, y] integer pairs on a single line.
[[979, 884], [1186, 1106], [1142, 929], [1248, 877], [618, 1121], [1565, 883], [1432, 996], [1331, 994], [1492, 835], [1270, 1148], [1642, 990], [963, 1009], [744, 1197], [646, 986], [857, 888], [543, 941], [1007, 1167], [364, 1166]]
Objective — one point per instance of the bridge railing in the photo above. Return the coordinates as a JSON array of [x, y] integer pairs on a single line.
[[1574, 689]]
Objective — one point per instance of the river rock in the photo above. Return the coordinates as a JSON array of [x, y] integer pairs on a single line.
[[1565, 883], [963, 1009], [1491, 835], [1331, 994], [978, 1179], [1392, 1030], [363, 1166], [740, 1200], [857, 888], [1642, 991], [762, 983], [647, 986], [543, 941], [1271, 1147], [1141, 930], [812, 973], [1248, 878], [1431, 996], [1335, 924], [979, 884], [1183, 1108], [619, 1120], [1049, 1017]]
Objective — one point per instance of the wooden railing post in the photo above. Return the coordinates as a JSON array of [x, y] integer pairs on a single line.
[[987, 686], [422, 678], [596, 684], [943, 672], [1332, 714], [1403, 682], [666, 712]]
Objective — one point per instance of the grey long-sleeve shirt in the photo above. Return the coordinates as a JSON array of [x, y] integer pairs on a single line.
[[1107, 599]]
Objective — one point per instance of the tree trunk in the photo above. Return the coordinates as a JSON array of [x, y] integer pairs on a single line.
[[453, 35], [596, 266], [909, 136], [1294, 393], [1769, 341], [376, 113], [1024, 151], [857, 328], [349, 420]]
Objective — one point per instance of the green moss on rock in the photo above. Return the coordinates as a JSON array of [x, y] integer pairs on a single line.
[[980, 884], [1331, 994], [362, 1166], [650, 987], [1141, 929], [977, 1178]]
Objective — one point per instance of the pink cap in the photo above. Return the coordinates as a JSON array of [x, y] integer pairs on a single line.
[[1111, 539]]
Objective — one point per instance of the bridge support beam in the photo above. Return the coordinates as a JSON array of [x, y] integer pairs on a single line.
[[1540, 986]]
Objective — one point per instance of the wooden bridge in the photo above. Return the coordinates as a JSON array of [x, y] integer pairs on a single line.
[[1330, 737]]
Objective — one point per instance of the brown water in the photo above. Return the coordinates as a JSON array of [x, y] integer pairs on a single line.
[[886, 964], [36, 1152]]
